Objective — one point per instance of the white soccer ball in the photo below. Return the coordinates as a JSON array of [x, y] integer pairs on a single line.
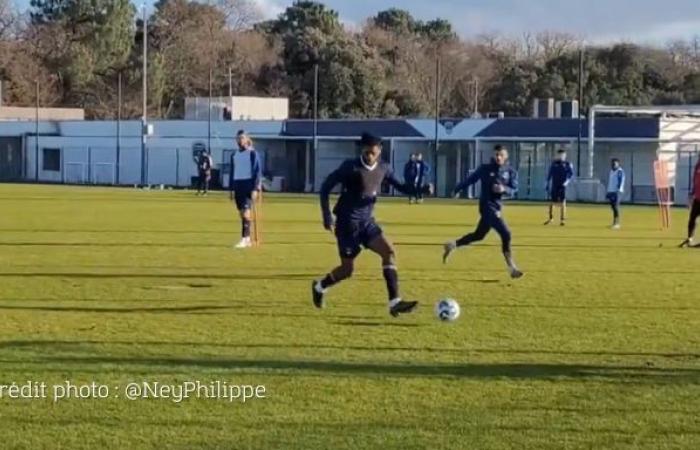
[[447, 310]]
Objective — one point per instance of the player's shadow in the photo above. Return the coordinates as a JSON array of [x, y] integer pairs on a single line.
[[188, 276], [233, 311], [110, 244], [540, 371], [56, 346], [112, 231], [368, 323], [140, 310]]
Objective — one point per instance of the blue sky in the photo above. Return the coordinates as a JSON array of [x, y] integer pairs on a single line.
[[644, 21]]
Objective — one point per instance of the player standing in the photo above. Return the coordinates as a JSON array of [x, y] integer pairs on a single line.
[[616, 187], [410, 176], [422, 170], [204, 165], [561, 172], [694, 199], [497, 179], [244, 182], [355, 227]]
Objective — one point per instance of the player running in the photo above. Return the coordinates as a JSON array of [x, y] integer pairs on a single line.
[[561, 172], [616, 187], [355, 227], [497, 179], [244, 182], [694, 199], [204, 165]]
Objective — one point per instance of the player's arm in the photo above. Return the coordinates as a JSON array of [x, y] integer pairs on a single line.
[[620, 180], [691, 192], [332, 180], [230, 175], [256, 170], [549, 178], [569, 174], [511, 186], [471, 179]]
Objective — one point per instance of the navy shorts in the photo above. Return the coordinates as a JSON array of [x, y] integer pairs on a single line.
[[558, 194], [243, 194], [613, 198], [353, 235]]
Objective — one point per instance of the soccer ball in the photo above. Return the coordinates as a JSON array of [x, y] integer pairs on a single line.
[[447, 310]]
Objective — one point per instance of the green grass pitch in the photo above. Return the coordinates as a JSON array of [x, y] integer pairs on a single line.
[[597, 347]]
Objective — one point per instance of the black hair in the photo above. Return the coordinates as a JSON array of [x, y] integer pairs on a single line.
[[560, 151], [617, 160], [498, 148], [240, 132], [369, 139]]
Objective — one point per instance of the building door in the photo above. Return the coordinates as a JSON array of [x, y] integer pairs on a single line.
[[10, 159]]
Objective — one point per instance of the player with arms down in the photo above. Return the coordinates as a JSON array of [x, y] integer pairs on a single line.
[[354, 225]]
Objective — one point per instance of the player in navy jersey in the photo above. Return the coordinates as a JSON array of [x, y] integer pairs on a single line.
[[497, 179], [561, 172], [244, 182], [354, 225]]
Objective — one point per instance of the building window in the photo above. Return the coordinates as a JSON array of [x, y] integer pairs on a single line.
[[52, 159]]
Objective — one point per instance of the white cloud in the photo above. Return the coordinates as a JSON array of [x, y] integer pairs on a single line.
[[270, 9], [659, 33]]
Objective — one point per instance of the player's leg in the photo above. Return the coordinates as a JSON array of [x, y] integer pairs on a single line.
[[335, 276], [207, 179], [550, 216], [349, 246], [199, 183], [482, 229], [499, 225], [244, 199], [562, 213], [616, 210], [692, 221], [381, 246]]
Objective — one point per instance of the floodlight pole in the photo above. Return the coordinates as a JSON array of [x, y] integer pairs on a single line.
[[315, 117], [209, 116], [230, 84], [580, 109], [144, 117], [437, 114], [36, 134], [119, 122]]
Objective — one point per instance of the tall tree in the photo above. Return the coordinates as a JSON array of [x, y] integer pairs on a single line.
[[85, 44]]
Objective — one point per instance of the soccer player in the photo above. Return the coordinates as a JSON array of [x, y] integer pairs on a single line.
[[616, 187], [354, 225], [204, 165], [410, 176], [497, 179], [422, 170], [560, 174], [694, 199], [245, 182]]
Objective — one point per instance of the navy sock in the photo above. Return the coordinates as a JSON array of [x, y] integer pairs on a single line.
[[392, 281], [327, 281], [245, 228], [466, 240]]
